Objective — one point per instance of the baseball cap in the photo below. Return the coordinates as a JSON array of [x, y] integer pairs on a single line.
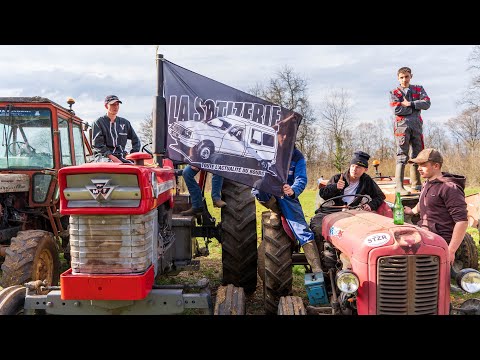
[[427, 155], [360, 158], [110, 99]]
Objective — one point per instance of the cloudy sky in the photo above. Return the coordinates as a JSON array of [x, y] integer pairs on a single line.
[[89, 72]]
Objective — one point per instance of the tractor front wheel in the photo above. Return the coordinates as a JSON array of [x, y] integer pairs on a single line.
[[32, 255], [466, 256], [278, 264]]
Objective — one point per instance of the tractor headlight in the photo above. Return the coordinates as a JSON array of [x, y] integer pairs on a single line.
[[469, 280], [347, 281]]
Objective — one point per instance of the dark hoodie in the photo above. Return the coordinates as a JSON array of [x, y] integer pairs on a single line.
[[442, 204]]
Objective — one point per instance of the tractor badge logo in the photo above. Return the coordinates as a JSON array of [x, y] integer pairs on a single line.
[[101, 188]]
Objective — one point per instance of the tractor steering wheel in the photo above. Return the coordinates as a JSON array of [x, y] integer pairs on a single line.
[[329, 205], [20, 148]]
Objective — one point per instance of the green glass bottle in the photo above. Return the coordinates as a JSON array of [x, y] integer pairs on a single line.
[[398, 213]]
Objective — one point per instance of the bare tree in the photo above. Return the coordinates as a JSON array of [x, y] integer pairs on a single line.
[[335, 115], [434, 137], [145, 132], [289, 89], [466, 128]]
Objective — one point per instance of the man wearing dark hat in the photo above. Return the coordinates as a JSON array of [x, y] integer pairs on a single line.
[[353, 181], [442, 206], [111, 132]]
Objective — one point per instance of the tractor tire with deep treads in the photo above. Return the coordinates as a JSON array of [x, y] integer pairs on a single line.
[[466, 255], [239, 236], [230, 300], [32, 255], [278, 264], [12, 300], [291, 305]]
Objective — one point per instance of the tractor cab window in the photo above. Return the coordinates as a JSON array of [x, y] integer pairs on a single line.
[[78, 145], [64, 142], [26, 138]]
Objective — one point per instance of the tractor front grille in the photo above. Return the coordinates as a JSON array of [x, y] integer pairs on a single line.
[[407, 285]]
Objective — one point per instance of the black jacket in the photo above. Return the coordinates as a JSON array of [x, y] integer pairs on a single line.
[[111, 138], [367, 186]]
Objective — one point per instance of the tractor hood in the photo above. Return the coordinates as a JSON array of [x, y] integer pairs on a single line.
[[355, 233]]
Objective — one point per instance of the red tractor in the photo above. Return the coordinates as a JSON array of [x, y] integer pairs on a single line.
[[39, 137], [125, 231], [371, 266]]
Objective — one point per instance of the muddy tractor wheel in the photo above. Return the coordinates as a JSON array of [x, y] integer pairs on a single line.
[[230, 300], [12, 300], [291, 305], [466, 256], [32, 255], [278, 264], [239, 237]]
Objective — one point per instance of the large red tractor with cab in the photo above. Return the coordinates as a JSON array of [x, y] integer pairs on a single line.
[[39, 137]]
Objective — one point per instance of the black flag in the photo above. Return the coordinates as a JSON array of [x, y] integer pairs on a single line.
[[226, 131]]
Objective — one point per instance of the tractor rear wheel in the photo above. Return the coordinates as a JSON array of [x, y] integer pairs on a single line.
[[12, 300], [278, 264], [291, 305], [32, 255], [230, 300], [239, 236], [466, 255]]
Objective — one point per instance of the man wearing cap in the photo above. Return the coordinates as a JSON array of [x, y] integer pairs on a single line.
[[353, 181], [442, 206], [111, 132]]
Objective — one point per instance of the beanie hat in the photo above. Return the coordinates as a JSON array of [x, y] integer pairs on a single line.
[[360, 158]]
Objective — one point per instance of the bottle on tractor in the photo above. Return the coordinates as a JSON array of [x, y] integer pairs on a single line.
[[39, 137]]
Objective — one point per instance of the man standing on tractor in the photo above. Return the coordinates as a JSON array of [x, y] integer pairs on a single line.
[[290, 207], [442, 206], [408, 101], [111, 132]]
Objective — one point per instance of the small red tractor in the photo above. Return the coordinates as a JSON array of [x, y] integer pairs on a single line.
[[371, 266], [125, 231], [39, 137]]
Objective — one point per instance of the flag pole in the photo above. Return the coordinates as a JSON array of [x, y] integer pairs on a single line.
[[159, 116]]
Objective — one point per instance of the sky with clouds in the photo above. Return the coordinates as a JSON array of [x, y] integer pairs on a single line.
[[90, 72]]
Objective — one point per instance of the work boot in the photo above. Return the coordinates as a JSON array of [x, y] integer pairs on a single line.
[[313, 257], [399, 175], [415, 182], [275, 212], [192, 212], [219, 203]]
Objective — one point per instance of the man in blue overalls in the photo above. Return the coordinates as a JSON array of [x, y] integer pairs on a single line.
[[290, 207]]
